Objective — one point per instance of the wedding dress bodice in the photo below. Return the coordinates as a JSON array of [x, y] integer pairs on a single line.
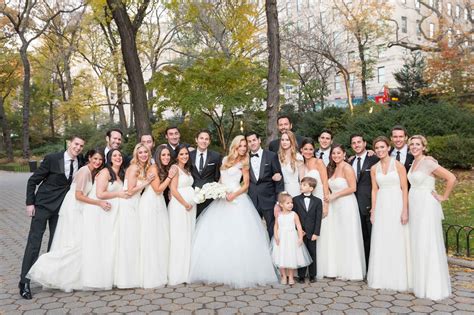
[[318, 191], [337, 184], [184, 180], [420, 180], [231, 177], [389, 180]]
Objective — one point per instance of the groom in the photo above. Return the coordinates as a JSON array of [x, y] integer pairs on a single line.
[[206, 165], [54, 177], [263, 190]]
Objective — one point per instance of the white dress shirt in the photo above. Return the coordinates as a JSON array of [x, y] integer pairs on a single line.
[[67, 164], [256, 161], [307, 201], [362, 159], [325, 155], [198, 158], [403, 153], [106, 151]]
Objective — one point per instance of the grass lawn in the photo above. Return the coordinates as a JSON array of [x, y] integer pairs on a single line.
[[459, 209]]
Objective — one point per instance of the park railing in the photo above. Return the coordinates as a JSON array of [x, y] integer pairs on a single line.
[[458, 237], [15, 168]]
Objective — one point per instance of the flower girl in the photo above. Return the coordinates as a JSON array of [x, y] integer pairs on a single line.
[[288, 253]]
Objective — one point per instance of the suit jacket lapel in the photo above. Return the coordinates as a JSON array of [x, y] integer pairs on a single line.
[[363, 167], [303, 205], [61, 165], [252, 174], [262, 164]]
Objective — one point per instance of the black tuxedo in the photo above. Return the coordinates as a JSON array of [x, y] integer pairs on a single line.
[[210, 173], [53, 186], [126, 159], [311, 223], [275, 144], [408, 161], [264, 191], [364, 200]]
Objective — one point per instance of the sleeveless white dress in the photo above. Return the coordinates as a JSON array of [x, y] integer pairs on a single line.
[[60, 268], [154, 239], [430, 268], [127, 261], [325, 245], [231, 245], [349, 246], [390, 259], [288, 254], [99, 241], [291, 177], [182, 224]]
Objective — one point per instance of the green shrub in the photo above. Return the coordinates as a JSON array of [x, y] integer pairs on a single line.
[[452, 151], [43, 150]]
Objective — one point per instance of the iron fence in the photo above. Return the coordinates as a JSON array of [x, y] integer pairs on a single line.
[[462, 235]]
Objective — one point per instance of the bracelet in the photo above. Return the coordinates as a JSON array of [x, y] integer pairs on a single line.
[[170, 178]]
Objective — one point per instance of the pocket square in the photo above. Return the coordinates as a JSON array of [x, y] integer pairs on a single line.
[[211, 164], [367, 170], [266, 164]]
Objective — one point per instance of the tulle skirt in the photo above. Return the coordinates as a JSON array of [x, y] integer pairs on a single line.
[[288, 254]]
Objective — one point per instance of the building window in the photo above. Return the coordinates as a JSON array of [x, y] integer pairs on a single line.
[[450, 9], [404, 24], [404, 1], [440, 5], [432, 3], [381, 74], [432, 30], [465, 14], [381, 51], [417, 5], [450, 37], [337, 83], [458, 11], [418, 28]]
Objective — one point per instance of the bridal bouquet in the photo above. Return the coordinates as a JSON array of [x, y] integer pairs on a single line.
[[209, 191]]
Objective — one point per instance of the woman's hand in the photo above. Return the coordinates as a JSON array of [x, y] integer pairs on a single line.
[[105, 205], [331, 197], [300, 241], [372, 217], [230, 197], [438, 197], [172, 171], [276, 177], [188, 206], [277, 240], [404, 217], [123, 195], [150, 178]]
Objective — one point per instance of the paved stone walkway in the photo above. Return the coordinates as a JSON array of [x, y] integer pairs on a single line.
[[327, 296]]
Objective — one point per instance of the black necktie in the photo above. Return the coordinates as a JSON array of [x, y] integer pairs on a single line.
[[254, 155], [358, 167], [71, 171], [321, 155], [398, 156], [201, 163]]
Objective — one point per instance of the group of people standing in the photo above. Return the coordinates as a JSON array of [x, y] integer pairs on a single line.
[[131, 222]]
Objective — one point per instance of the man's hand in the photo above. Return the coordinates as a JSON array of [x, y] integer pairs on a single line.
[[30, 210]]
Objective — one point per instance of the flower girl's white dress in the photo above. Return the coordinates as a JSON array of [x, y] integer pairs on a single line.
[[231, 244]]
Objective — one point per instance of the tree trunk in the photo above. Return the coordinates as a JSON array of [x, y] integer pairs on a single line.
[[119, 82], [26, 101], [6, 131], [363, 77], [51, 119], [273, 84], [132, 66], [347, 84]]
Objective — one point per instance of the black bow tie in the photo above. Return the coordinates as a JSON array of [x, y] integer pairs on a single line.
[[254, 155], [309, 197]]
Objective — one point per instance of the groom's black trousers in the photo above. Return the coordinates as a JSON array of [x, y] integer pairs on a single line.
[[35, 237], [311, 246], [269, 220]]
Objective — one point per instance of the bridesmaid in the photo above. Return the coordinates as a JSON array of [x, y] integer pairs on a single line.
[[127, 267], [390, 262], [349, 249], [430, 268], [61, 267], [325, 246], [98, 243], [154, 222], [182, 212], [291, 163]]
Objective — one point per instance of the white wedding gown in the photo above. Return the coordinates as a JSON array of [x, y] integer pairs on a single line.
[[390, 260], [231, 244], [430, 267]]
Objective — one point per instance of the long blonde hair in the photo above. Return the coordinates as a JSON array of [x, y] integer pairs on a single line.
[[293, 150], [142, 169], [233, 157]]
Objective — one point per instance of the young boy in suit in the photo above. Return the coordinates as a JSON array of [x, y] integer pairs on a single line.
[[310, 210]]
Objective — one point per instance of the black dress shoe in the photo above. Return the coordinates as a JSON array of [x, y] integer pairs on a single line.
[[25, 291], [312, 280], [300, 280]]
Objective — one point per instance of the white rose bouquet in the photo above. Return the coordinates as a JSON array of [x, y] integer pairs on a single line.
[[209, 191]]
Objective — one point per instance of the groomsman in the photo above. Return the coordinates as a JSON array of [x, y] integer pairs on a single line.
[[263, 190], [54, 177], [113, 140], [206, 165], [149, 142], [284, 124], [399, 138], [325, 142], [173, 136], [361, 163]]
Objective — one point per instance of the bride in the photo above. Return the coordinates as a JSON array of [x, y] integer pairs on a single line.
[[230, 243]]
